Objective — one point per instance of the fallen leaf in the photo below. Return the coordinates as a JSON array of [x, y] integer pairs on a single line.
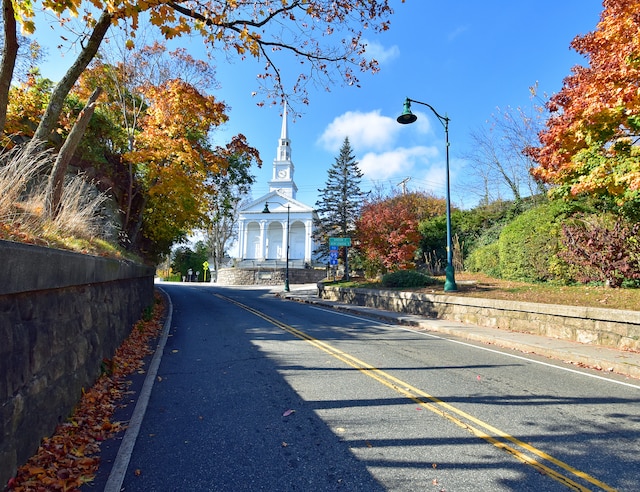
[[70, 457], [138, 472]]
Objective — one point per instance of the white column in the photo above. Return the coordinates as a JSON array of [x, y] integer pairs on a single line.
[[242, 240], [263, 240], [308, 241]]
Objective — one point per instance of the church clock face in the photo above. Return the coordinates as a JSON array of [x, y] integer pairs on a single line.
[[282, 173]]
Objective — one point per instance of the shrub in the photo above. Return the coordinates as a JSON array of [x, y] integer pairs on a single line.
[[528, 245], [406, 278], [485, 260], [601, 251]]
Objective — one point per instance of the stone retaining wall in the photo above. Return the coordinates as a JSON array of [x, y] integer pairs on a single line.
[[268, 276], [607, 327], [61, 314]]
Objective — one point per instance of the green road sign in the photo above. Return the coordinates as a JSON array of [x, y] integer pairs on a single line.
[[339, 241]]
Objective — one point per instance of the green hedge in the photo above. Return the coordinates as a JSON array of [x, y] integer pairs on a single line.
[[528, 245], [484, 259], [407, 278]]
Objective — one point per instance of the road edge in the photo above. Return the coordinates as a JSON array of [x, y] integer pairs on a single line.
[[121, 463]]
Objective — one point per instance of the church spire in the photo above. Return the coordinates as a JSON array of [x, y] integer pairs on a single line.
[[282, 165], [284, 144], [284, 134]]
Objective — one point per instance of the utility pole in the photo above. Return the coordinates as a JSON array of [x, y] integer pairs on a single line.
[[403, 183]]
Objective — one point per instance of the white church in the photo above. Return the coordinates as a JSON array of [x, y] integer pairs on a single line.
[[276, 220]]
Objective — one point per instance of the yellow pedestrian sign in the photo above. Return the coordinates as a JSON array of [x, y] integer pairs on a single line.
[[205, 266]]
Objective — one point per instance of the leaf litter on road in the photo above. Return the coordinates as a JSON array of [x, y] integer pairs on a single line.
[[70, 457]]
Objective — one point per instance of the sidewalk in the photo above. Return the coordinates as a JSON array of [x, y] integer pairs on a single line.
[[592, 356]]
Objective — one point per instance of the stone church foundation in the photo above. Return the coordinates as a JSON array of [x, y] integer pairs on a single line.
[[269, 276]]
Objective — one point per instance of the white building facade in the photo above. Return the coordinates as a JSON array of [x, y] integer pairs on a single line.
[[267, 225]]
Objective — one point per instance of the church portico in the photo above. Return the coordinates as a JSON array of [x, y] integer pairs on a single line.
[[263, 233], [276, 230]]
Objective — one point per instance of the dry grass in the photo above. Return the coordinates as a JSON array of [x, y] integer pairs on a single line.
[[78, 226]]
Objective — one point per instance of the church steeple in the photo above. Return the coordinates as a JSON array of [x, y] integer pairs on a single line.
[[282, 165], [284, 144]]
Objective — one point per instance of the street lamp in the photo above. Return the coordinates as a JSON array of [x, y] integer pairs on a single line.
[[408, 117], [286, 272]]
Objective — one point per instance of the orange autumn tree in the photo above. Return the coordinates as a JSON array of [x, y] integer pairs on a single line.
[[128, 77], [324, 35], [590, 144], [387, 230], [173, 159]]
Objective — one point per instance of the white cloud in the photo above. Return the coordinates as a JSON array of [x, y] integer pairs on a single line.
[[423, 123], [397, 162], [434, 179], [374, 138], [366, 131], [376, 51]]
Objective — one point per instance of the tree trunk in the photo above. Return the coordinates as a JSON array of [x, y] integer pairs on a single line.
[[134, 229], [60, 92], [56, 179], [9, 55]]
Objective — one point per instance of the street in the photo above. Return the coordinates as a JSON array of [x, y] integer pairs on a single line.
[[257, 393]]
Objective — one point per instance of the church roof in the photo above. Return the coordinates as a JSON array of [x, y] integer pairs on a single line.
[[277, 199]]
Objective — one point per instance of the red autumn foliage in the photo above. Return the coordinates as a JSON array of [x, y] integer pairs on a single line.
[[602, 253], [70, 457], [387, 230]]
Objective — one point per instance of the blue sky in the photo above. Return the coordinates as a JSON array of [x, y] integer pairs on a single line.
[[465, 58]]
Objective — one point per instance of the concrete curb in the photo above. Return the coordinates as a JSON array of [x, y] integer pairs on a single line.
[[121, 463], [575, 353]]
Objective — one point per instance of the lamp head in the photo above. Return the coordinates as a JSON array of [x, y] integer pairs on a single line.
[[407, 116], [266, 210]]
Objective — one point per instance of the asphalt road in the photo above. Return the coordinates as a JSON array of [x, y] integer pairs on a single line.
[[258, 393]]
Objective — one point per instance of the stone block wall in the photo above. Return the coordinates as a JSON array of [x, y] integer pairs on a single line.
[[606, 327], [61, 314], [268, 276]]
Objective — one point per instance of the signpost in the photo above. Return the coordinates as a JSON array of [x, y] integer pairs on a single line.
[[333, 255], [334, 244], [340, 241], [205, 267]]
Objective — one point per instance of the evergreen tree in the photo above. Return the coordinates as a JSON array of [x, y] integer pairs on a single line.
[[340, 201]]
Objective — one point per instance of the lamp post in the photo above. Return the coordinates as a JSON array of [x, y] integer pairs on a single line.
[[286, 271], [408, 117]]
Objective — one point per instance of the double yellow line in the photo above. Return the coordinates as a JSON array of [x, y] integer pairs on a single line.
[[519, 449]]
